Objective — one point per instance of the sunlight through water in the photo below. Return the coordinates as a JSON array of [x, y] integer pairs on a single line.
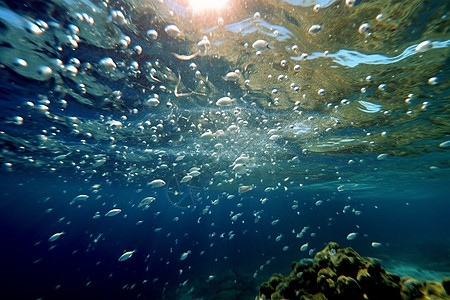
[[199, 5]]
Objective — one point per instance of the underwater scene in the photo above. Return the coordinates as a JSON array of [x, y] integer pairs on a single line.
[[225, 149]]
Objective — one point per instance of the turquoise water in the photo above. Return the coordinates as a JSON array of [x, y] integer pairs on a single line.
[[157, 150]]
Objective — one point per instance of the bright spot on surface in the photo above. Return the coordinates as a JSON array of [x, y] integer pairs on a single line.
[[207, 4]]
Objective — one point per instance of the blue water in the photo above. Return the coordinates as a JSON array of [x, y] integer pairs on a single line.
[[411, 229], [326, 134]]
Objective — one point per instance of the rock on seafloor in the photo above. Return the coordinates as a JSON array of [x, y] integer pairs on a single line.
[[341, 273]]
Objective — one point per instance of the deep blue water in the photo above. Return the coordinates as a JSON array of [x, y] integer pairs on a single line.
[[411, 230]]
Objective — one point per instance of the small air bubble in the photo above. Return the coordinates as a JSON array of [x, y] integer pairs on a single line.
[[433, 81], [19, 62], [379, 17], [152, 34], [382, 87], [45, 72], [314, 29], [350, 3], [364, 29]]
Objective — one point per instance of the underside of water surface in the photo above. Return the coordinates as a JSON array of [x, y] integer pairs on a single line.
[[189, 149]]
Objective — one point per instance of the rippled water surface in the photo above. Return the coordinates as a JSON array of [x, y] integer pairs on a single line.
[[224, 138]]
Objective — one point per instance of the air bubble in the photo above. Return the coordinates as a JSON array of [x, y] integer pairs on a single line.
[[72, 70], [19, 62], [364, 29], [172, 31], [75, 61], [134, 65], [152, 34], [137, 49], [33, 28], [316, 28], [73, 29], [350, 3], [18, 120], [424, 46], [45, 72], [118, 16], [108, 64], [433, 81]]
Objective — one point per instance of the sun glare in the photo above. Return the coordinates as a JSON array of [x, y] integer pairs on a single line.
[[198, 5]]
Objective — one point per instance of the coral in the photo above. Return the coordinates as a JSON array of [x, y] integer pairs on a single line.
[[341, 273]]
